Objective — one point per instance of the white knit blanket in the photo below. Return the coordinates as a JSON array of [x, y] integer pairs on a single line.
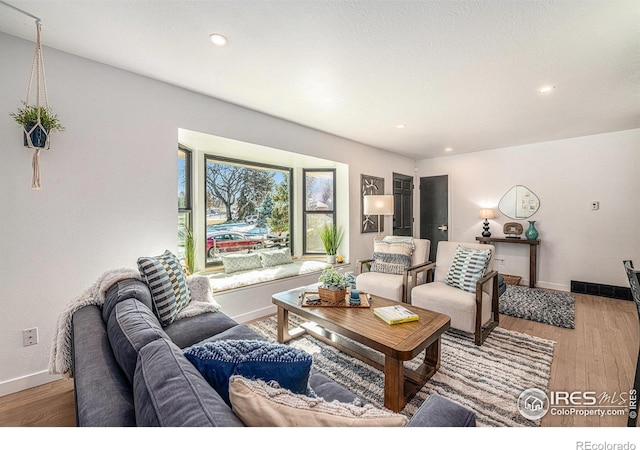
[[60, 357]]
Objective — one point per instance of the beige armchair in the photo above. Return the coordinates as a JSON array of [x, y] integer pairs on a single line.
[[473, 312], [393, 286]]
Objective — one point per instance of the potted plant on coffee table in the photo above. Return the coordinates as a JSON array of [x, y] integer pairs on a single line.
[[334, 285], [331, 236]]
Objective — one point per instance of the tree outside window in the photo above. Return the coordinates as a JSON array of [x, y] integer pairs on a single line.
[[247, 207], [319, 206]]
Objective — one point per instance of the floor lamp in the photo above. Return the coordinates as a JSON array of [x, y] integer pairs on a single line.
[[378, 205]]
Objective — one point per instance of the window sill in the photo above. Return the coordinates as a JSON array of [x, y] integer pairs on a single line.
[[221, 281]]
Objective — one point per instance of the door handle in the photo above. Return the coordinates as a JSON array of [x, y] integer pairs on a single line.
[[443, 228]]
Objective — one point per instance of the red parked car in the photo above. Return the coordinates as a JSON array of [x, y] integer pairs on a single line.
[[224, 242]]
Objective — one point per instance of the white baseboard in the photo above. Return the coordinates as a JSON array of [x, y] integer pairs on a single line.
[[257, 314], [40, 378], [27, 382], [553, 286], [524, 282]]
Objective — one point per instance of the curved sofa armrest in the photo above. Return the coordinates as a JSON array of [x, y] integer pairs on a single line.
[[103, 395], [437, 411]]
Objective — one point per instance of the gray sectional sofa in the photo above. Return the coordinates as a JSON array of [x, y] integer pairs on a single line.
[[130, 371]]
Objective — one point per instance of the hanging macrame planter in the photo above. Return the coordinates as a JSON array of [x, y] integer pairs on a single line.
[[37, 120]]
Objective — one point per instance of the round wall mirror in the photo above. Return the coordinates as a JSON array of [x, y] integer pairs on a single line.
[[519, 203]]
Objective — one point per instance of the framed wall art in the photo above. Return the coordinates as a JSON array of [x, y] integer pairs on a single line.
[[370, 185]]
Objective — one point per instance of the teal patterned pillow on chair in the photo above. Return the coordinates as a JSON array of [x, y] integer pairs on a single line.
[[467, 267]]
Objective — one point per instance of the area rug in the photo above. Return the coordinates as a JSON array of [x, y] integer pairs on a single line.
[[486, 379], [550, 307]]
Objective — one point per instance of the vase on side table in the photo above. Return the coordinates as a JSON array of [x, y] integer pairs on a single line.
[[531, 233]]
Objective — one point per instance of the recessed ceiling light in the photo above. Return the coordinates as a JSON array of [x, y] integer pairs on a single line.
[[546, 89], [448, 149], [218, 39], [401, 126]]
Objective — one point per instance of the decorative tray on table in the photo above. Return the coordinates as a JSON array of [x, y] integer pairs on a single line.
[[312, 299]]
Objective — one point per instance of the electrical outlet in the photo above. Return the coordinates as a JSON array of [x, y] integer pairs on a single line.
[[29, 337], [595, 205]]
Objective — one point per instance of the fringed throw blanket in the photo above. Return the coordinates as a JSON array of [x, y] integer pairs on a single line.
[[60, 357]]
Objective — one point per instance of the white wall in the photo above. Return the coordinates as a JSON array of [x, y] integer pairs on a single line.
[[109, 188], [576, 242]]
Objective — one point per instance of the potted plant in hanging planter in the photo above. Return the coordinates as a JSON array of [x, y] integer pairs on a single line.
[[331, 236], [37, 120], [38, 131], [334, 286]]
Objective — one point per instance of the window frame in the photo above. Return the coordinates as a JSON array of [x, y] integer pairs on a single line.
[[253, 165], [306, 212], [188, 210]]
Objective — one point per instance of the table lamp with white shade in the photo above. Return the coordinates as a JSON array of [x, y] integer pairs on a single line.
[[378, 205], [486, 214]]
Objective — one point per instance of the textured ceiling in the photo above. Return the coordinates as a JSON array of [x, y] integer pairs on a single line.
[[458, 74]]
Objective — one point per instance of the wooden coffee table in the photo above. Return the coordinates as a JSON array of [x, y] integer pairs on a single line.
[[397, 343]]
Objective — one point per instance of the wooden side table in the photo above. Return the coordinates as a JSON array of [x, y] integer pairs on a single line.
[[533, 252]]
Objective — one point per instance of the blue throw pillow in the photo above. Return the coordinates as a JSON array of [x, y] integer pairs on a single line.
[[217, 361]]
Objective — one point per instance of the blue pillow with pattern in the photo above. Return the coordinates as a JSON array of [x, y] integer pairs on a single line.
[[467, 268], [217, 361], [391, 257]]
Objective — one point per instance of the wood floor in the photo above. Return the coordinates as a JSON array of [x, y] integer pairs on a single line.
[[49, 405], [598, 355]]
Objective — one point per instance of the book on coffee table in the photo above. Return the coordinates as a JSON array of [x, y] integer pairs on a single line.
[[395, 314]]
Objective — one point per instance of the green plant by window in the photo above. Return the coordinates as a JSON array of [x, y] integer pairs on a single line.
[[27, 116], [189, 249], [331, 236]]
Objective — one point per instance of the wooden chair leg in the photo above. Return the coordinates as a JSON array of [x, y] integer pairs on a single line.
[[481, 334], [478, 334], [495, 305]]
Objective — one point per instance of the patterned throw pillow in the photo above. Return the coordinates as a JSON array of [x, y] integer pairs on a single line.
[[278, 257], [467, 267], [260, 404], [391, 257], [217, 361], [237, 263], [167, 282]]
